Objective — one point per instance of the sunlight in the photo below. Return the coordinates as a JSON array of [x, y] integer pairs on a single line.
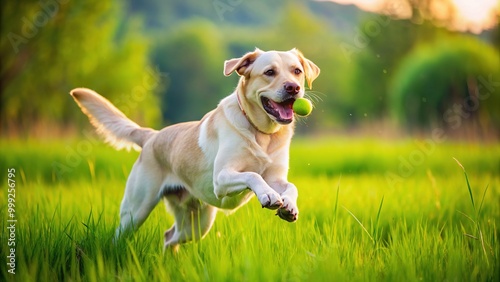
[[475, 15], [463, 15]]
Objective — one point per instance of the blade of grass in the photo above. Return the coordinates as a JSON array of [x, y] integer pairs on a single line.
[[476, 222], [336, 201], [377, 219], [471, 236], [468, 184], [361, 224], [482, 200], [135, 260], [468, 217]]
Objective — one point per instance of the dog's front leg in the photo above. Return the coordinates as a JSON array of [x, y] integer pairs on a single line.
[[229, 182], [289, 194]]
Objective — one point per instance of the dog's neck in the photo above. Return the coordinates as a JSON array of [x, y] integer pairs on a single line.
[[264, 126]]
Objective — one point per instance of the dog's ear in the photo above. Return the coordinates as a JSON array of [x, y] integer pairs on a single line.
[[311, 70], [241, 65]]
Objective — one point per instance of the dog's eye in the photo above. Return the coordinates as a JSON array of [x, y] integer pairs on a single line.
[[297, 71], [270, 72]]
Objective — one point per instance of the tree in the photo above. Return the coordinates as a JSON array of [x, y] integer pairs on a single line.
[[495, 37], [382, 42], [49, 47], [447, 83], [193, 58]]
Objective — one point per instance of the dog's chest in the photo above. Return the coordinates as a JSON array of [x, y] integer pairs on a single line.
[[263, 140], [270, 144]]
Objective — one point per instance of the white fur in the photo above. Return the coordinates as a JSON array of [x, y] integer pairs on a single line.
[[111, 123], [236, 151]]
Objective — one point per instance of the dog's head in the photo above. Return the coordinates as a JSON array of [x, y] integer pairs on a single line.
[[270, 82]]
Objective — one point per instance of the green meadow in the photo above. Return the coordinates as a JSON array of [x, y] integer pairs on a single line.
[[370, 210]]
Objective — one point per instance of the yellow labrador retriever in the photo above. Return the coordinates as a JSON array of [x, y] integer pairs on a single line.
[[237, 150]]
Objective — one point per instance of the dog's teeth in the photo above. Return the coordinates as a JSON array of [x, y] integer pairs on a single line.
[[269, 104]]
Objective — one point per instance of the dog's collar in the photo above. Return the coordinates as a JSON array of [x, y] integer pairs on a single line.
[[247, 117]]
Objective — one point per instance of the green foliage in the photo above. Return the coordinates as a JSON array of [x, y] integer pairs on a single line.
[[193, 54], [437, 75], [496, 37], [162, 14], [379, 45], [193, 58], [48, 48], [133, 51], [64, 228]]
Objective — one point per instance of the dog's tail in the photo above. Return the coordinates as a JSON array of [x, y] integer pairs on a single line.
[[111, 123]]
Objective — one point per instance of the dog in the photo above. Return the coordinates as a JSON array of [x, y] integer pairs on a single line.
[[239, 149]]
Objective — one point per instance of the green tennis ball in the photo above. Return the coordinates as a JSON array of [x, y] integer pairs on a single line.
[[302, 107]]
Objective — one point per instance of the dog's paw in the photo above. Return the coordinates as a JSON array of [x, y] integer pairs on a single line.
[[288, 211], [270, 200]]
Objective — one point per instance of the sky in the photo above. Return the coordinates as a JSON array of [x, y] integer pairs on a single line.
[[462, 15]]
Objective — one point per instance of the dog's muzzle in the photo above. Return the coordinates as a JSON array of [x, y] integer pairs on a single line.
[[281, 111]]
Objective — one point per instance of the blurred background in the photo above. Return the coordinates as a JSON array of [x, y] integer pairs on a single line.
[[388, 68]]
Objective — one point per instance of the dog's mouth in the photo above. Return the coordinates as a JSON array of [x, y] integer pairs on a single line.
[[282, 111]]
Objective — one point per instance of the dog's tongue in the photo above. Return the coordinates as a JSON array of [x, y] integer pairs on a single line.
[[285, 109]]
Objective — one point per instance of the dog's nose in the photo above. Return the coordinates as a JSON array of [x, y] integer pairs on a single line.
[[292, 88]]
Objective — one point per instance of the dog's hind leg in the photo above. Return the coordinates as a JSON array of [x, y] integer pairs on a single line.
[[141, 196], [193, 218]]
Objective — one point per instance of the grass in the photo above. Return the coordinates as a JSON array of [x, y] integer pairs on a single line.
[[354, 225]]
